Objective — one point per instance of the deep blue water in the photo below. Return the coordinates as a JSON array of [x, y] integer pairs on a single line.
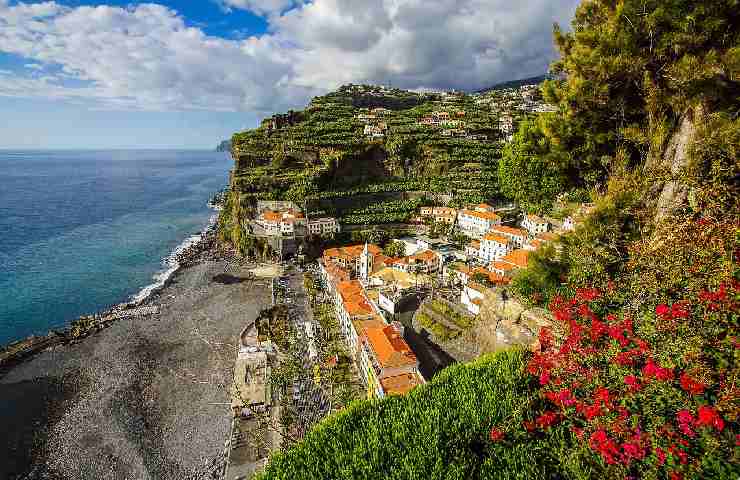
[[82, 230]]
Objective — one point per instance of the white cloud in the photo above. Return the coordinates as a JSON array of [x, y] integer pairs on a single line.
[[260, 7], [146, 57]]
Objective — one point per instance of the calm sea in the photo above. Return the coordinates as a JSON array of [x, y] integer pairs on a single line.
[[82, 230]]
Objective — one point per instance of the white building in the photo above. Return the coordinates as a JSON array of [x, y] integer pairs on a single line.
[[516, 235], [477, 223], [534, 224], [323, 226], [494, 246], [283, 222], [472, 297]]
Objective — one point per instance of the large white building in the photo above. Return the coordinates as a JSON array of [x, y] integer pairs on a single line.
[[280, 222], [477, 222]]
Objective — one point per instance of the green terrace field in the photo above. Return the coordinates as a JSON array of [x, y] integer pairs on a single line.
[[319, 157]]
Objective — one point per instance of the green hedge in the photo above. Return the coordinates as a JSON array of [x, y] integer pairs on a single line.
[[436, 431]]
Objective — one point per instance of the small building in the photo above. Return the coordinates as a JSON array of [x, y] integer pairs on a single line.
[[471, 297], [323, 226], [494, 246], [516, 235], [472, 249], [535, 224], [281, 222], [388, 366]]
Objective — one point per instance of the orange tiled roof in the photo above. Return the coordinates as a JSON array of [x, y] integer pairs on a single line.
[[502, 266], [483, 215], [536, 219], [351, 252], [492, 237], [390, 349], [517, 257], [510, 230], [271, 216], [400, 384], [426, 256]]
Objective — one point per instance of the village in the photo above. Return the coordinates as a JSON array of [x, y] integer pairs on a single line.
[[355, 308]]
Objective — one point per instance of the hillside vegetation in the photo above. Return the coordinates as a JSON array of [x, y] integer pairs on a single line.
[[643, 383]]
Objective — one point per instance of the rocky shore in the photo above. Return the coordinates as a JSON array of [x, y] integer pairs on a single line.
[[139, 391]]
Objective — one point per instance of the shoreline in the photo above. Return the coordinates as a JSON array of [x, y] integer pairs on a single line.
[[184, 254], [161, 363]]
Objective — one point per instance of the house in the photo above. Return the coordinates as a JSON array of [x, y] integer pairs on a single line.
[[440, 214], [349, 258], [569, 224], [429, 121], [508, 264], [381, 112], [323, 226], [494, 246], [503, 269], [460, 113], [365, 118], [535, 224], [458, 273], [422, 262], [471, 297], [351, 305], [388, 366], [440, 116], [473, 249], [454, 133], [280, 222], [373, 131], [516, 235], [451, 123], [484, 207], [477, 222]]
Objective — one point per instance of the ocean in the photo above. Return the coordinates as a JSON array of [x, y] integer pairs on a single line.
[[83, 230]]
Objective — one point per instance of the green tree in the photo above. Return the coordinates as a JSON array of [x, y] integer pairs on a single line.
[[394, 248], [530, 170]]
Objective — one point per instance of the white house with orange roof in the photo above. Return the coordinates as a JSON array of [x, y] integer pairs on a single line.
[[281, 222], [517, 236], [477, 222], [472, 297], [508, 265], [494, 246], [472, 249], [387, 364]]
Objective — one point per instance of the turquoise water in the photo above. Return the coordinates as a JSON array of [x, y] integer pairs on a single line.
[[83, 230]]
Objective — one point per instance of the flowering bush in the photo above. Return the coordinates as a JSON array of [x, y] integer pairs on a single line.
[[642, 411]]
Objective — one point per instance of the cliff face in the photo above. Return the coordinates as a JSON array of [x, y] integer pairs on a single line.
[[503, 322], [321, 157]]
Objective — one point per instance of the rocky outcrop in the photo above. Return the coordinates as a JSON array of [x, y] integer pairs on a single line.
[[672, 193], [503, 322]]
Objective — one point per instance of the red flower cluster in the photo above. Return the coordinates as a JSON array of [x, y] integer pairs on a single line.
[[714, 300], [692, 386], [588, 378], [496, 435]]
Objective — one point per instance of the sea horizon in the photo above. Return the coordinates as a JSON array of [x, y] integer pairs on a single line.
[[86, 229]]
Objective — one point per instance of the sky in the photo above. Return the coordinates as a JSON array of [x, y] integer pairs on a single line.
[[189, 73]]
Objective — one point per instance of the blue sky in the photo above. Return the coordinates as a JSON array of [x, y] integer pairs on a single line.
[[186, 74]]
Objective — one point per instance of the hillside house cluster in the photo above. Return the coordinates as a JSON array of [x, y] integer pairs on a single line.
[[290, 221], [386, 363]]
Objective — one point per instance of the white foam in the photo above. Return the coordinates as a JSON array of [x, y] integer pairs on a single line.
[[171, 265]]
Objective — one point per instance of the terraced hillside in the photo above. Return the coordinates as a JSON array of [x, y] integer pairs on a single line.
[[321, 157]]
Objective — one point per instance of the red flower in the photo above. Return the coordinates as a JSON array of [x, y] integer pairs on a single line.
[[661, 456], [546, 419], [601, 394], [496, 435], [544, 378], [708, 417], [592, 411], [684, 416], [691, 386], [674, 475], [632, 382], [662, 310], [680, 310]]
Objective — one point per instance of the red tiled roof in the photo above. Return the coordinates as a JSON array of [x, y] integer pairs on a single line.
[[510, 230], [390, 349], [483, 215], [492, 237], [517, 257]]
